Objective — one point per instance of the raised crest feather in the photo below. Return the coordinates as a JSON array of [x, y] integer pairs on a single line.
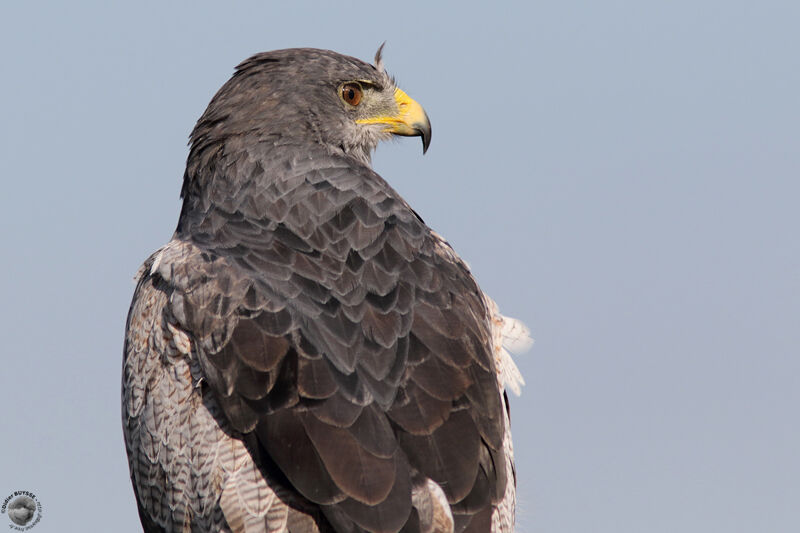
[[379, 57]]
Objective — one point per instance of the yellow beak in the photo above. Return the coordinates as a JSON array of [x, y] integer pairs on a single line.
[[410, 120]]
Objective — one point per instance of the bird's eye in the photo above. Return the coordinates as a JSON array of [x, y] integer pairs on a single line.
[[352, 93]]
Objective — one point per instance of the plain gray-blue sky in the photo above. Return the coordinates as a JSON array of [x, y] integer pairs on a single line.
[[621, 175]]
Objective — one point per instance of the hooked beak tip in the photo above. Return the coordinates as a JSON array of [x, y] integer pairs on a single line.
[[423, 129], [426, 139]]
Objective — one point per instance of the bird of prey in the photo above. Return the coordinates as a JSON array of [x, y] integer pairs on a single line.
[[305, 354]]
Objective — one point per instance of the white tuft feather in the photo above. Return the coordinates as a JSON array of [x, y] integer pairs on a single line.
[[508, 334], [512, 377], [516, 335]]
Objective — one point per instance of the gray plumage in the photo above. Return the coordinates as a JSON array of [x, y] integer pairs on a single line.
[[305, 354]]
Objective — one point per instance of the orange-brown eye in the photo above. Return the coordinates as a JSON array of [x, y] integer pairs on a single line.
[[352, 93]]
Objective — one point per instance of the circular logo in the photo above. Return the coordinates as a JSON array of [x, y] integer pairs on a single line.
[[23, 509]]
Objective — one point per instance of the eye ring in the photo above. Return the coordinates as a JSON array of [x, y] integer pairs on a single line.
[[351, 93]]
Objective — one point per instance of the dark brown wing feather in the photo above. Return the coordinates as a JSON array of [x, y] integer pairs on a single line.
[[334, 326]]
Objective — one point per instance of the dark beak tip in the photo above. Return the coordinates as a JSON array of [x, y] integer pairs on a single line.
[[425, 134]]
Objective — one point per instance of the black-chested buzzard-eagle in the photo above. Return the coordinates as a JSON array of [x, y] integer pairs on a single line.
[[305, 354]]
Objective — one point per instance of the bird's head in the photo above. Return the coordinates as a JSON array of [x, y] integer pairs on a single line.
[[307, 97]]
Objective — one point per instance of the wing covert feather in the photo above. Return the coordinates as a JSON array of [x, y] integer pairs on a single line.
[[334, 326]]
